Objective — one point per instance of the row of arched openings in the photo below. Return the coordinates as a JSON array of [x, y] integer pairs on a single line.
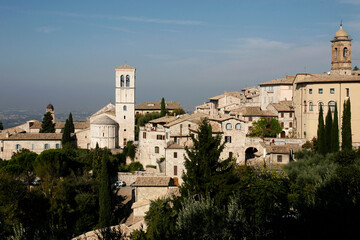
[[229, 126], [345, 52], [331, 105], [122, 81]]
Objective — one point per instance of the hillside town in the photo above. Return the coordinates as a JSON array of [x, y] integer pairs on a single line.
[[162, 143]]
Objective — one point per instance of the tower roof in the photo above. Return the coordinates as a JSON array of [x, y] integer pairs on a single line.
[[125, 66], [50, 107], [103, 120], [341, 34]]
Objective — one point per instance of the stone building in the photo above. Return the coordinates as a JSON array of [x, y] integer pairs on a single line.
[[313, 91], [150, 107], [285, 116], [276, 90]]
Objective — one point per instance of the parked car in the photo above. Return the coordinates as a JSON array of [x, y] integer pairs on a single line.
[[36, 182], [119, 184]]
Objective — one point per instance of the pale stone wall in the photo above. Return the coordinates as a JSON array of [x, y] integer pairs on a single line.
[[285, 158], [150, 193], [175, 162], [307, 120], [237, 145], [37, 146], [104, 135], [274, 94], [83, 139], [148, 145]]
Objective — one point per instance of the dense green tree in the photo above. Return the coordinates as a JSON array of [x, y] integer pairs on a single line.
[[163, 107], [266, 128], [160, 220], [206, 174], [71, 123], [346, 134], [321, 147], [130, 150], [199, 219], [335, 132], [356, 68], [22, 166], [105, 205], [141, 120], [328, 131], [1, 126], [47, 125]]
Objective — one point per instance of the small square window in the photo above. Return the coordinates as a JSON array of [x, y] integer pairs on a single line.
[[175, 154], [279, 158], [320, 91], [310, 91], [332, 90]]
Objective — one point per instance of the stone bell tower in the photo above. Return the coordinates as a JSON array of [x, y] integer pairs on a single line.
[[341, 53], [125, 103]]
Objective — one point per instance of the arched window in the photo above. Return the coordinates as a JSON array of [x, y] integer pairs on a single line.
[[321, 106], [332, 106], [17, 147], [238, 126], [336, 53], [127, 80], [124, 107], [345, 52], [228, 126], [311, 106], [122, 81]]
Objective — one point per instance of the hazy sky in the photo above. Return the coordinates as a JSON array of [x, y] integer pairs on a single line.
[[65, 52]]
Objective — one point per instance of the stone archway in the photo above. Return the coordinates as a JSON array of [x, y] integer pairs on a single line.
[[250, 153]]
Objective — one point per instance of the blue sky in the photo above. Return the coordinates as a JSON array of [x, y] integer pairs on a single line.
[[65, 52]]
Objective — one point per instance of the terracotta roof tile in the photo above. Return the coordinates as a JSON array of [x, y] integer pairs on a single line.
[[125, 66], [157, 106], [283, 106], [33, 136], [153, 181], [325, 78], [288, 80]]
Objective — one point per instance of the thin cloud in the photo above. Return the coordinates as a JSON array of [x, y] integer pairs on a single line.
[[355, 2], [46, 29], [133, 18], [162, 21], [114, 28], [242, 45]]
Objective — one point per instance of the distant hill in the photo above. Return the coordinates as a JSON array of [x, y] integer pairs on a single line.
[[12, 118]]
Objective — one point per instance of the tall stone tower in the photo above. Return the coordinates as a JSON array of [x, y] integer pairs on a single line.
[[341, 53], [125, 103]]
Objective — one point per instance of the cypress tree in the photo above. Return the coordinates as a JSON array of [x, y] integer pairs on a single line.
[[346, 134], [1, 126], [335, 132], [328, 131], [163, 107], [104, 193], [205, 173], [66, 138], [71, 123], [321, 133], [47, 126]]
